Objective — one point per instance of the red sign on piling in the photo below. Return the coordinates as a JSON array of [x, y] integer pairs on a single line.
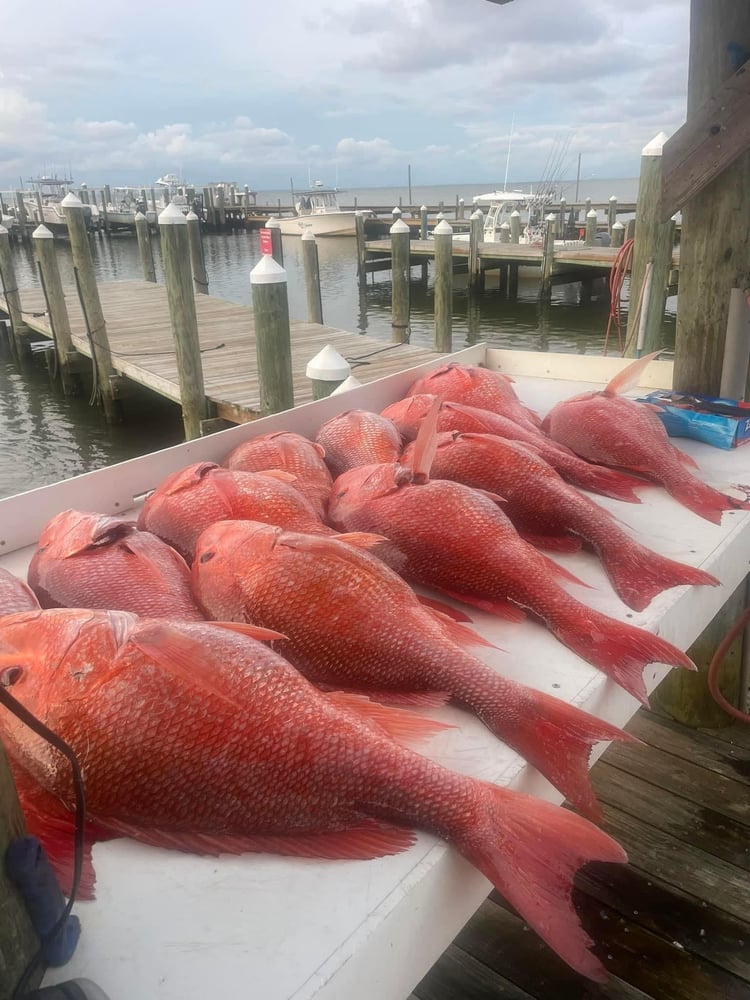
[[266, 244]]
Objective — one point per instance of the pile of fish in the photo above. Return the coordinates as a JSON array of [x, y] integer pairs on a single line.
[[247, 666]]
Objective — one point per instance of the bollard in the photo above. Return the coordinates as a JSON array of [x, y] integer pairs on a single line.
[[312, 279], [618, 235], [423, 222], [175, 246], [591, 219], [346, 385], [96, 327], [145, 249], [12, 295], [612, 212], [277, 250], [359, 232], [475, 238], [327, 371], [197, 260], [443, 234], [272, 335], [515, 226], [400, 267], [59, 321], [545, 290]]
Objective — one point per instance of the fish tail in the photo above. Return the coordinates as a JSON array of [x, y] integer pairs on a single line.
[[599, 479], [638, 574], [555, 738], [698, 496], [530, 850], [621, 651]]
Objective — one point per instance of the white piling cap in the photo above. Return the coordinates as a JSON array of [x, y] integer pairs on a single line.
[[42, 233], [656, 146], [71, 201], [591, 214], [191, 216], [618, 225], [308, 235], [477, 214], [399, 226], [443, 228], [505, 225], [461, 201], [328, 366], [396, 210], [346, 385], [515, 213], [172, 216], [440, 216], [551, 217], [273, 223], [139, 215], [613, 197], [423, 208], [267, 272]]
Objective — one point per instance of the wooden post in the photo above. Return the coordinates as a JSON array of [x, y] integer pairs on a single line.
[[153, 201], [423, 224], [612, 212], [18, 943], [652, 255], [515, 226], [545, 289], [443, 234], [12, 295], [145, 249], [400, 260], [221, 214], [396, 213], [505, 232], [92, 307], [59, 321], [105, 213], [327, 371], [561, 224], [272, 335], [312, 279], [587, 208], [208, 206], [461, 208], [715, 223], [277, 247], [21, 216], [197, 260], [359, 232], [475, 238], [39, 207], [618, 234], [175, 247], [591, 220]]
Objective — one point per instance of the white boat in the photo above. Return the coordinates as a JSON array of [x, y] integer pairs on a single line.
[[498, 206], [121, 210], [51, 191], [318, 212], [183, 927]]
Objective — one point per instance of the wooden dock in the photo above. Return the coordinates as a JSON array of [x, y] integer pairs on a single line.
[[674, 924], [140, 337]]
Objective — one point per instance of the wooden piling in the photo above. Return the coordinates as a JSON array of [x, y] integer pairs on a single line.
[[423, 223], [475, 238], [197, 260], [461, 208], [12, 295], [327, 371], [652, 256], [443, 234], [562, 222], [277, 247], [272, 335], [612, 212], [396, 212], [175, 245], [153, 200], [145, 250], [618, 234], [208, 206], [105, 212], [221, 213], [21, 216], [545, 287], [359, 232], [39, 206], [92, 308], [591, 221], [505, 232], [400, 264], [59, 321], [312, 278], [515, 226]]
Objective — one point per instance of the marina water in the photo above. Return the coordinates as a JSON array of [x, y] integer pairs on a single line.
[[45, 437]]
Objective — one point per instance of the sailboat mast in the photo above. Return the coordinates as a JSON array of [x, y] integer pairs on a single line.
[[507, 155], [578, 175]]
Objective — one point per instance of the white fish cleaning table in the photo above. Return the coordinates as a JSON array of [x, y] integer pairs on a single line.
[[179, 927]]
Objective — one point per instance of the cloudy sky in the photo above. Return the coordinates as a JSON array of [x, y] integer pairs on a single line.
[[259, 92]]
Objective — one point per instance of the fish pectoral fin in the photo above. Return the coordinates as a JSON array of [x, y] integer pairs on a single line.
[[553, 543], [402, 726], [281, 475], [376, 545], [458, 632], [564, 574], [494, 497], [425, 444], [501, 608], [251, 631]]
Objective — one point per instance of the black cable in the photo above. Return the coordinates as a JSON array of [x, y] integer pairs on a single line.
[[59, 744]]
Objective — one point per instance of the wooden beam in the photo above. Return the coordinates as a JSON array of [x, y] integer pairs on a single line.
[[707, 143]]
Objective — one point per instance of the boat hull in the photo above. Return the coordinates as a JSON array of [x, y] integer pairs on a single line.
[[325, 224]]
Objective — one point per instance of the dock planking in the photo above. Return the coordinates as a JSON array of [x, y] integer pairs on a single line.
[[142, 346]]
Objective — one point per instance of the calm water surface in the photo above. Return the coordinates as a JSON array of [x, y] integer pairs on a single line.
[[45, 437]]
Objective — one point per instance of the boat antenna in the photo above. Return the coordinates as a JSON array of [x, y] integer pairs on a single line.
[[507, 155]]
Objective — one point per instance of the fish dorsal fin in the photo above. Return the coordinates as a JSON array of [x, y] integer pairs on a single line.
[[425, 445], [628, 377]]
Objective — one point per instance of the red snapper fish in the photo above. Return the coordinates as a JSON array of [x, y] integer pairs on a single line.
[[294, 454], [197, 737], [609, 428], [480, 387], [192, 498], [457, 540], [358, 437], [324, 596], [86, 560], [15, 594], [549, 513], [408, 414]]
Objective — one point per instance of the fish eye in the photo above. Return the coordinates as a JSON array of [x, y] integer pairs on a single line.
[[207, 557], [10, 676]]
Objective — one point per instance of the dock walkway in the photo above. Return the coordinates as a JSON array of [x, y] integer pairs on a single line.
[[140, 337], [674, 924]]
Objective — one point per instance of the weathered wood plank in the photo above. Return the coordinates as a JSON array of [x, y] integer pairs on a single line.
[[457, 974], [701, 748]]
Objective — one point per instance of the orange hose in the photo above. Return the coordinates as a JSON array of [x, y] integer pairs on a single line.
[[716, 662]]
